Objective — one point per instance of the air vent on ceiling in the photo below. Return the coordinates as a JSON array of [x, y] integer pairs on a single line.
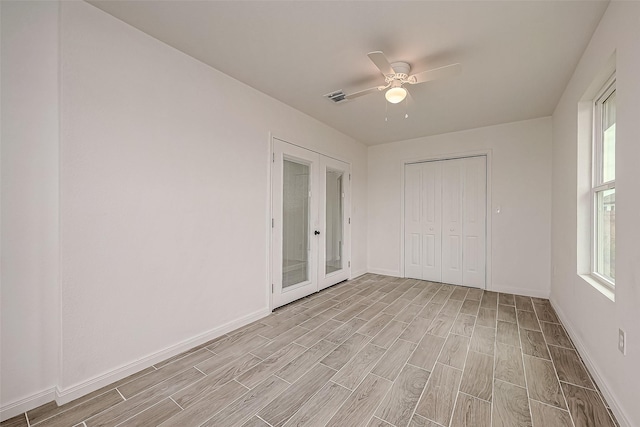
[[337, 96]]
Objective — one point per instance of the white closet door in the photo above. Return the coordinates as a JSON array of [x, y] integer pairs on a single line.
[[452, 188], [432, 221], [474, 221], [413, 221]]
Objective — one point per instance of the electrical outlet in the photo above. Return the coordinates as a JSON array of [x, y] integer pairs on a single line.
[[622, 341]]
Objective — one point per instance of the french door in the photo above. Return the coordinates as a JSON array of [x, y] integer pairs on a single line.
[[445, 221], [310, 226]]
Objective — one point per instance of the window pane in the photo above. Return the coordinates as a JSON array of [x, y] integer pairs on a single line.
[[295, 223], [606, 233], [609, 138], [333, 232]]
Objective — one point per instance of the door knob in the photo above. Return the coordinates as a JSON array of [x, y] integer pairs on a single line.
[[316, 232]]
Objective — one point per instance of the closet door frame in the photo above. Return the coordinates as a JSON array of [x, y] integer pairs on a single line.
[[449, 156]]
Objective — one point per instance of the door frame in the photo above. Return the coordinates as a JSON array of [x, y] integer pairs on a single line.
[[269, 228], [451, 156]]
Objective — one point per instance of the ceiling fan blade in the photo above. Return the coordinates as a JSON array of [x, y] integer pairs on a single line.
[[436, 73], [365, 92], [381, 62]]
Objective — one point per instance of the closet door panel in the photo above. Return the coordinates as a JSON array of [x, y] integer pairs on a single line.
[[432, 221], [452, 207], [412, 221], [474, 221]]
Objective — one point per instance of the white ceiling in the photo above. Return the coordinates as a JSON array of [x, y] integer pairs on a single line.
[[516, 56]]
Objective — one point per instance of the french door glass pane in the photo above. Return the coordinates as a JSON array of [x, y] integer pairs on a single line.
[[606, 233], [609, 138], [334, 231], [295, 223]]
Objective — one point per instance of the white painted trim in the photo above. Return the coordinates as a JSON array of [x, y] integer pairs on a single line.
[[20, 406], [356, 274], [488, 153], [385, 272], [621, 416], [63, 396], [538, 293]]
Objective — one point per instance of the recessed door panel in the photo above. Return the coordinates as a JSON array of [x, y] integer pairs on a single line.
[[431, 223], [413, 221], [452, 221], [474, 222]]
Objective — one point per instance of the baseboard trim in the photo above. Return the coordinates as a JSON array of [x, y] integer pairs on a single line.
[[20, 406], [520, 291], [68, 394], [356, 274], [384, 272], [621, 417]]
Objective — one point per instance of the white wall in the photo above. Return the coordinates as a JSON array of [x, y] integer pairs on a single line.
[[520, 186], [29, 231], [164, 202], [592, 318]]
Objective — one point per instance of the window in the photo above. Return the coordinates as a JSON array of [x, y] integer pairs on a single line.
[[603, 190]]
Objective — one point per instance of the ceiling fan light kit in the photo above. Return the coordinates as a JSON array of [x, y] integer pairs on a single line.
[[395, 74]]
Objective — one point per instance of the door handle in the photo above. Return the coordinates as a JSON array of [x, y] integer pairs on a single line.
[[316, 232]]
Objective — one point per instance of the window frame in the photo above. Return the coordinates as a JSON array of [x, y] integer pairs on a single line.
[[597, 167]]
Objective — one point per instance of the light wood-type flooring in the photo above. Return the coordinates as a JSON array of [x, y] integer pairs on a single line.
[[374, 351]]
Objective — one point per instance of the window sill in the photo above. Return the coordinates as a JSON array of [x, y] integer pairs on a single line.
[[599, 285]]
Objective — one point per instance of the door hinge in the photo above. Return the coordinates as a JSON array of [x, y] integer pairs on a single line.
[[273, 159], [349, 177], [349, 220], [272, 288], [349, 263], [273, 222]]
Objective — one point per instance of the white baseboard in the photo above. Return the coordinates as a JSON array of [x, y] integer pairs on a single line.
[[20, 406], [356, 274], [383, 272], [622, 418], [68, 394], [520, 291]]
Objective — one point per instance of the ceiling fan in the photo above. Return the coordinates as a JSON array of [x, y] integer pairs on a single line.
[[396, 75]]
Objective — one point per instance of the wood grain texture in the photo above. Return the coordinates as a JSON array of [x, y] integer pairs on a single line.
[[153, 416], [489, 300], [202, 410], [441, 325], [475, 294], [483, 340], [451, 307], [408, 314], [459, 294], [255, 422], [555, 335], [360, 405], [548, 416], [280, 409], [569, 367], [17, 421], [391, 363], [463, 325], [470, 307], [300, 365], [416, 329], [280, 342], [389, 334], [586, 407], [510, 406], [509, 366], [357, 368], [506, 299], [247, 405], [546, 313], [375, 325], [270, 365], [398, 405], [439, 396], [320, 408], [454, 351], [431, 310], [345, 351], [477, 379], [373, 310], [508, 333], [144, 400], [533, 344], [418, 421], [542, 382], [487, 317], [523, 303], [319, 333], [85, 410], [341, 334], [528, 320], [507, 313], [427, 352], [471, 412]]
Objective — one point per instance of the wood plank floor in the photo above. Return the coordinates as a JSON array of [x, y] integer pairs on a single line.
[[374, 351]]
